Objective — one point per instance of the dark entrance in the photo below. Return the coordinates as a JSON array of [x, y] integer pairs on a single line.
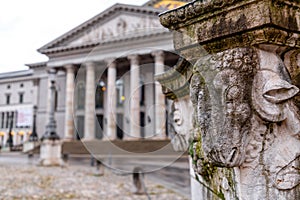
[[99, 127], [120, 133]]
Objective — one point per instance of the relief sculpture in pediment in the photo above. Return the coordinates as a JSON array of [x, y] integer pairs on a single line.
[[118, 28]]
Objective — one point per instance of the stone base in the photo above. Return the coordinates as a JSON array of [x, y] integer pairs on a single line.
[[50, 153], [29, 146]]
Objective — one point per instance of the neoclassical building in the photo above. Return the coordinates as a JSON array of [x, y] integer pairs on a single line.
[[104, 75]]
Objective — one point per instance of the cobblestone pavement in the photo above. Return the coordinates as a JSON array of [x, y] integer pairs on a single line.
[[28, 182]]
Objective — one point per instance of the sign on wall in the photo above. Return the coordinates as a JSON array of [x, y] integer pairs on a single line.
[[24, 117]]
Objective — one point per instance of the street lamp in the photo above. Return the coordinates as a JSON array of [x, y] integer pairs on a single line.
[[34, 137], [51, 126]]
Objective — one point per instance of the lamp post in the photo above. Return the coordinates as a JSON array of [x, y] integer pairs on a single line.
[[50, 149], [34, 137], [10, 138], [51, 126]]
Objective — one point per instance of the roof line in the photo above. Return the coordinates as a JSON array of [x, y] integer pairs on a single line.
[[95, 19]]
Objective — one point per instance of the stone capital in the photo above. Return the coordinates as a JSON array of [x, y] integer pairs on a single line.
[[134, 59], [243, 83], [90, 65], [158, 55], [70, 67], [111, 62]]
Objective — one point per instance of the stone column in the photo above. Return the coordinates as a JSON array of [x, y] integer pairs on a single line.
[[89, 109], [160, 106], [244, 90], [111, 100], [69, 117], [135, 129]]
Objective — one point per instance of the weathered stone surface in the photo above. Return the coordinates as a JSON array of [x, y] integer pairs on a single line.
[[50, 154], [246, 119], [245, 94], [219, 25]]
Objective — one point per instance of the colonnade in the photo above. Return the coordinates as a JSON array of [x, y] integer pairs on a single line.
[[110, 114]]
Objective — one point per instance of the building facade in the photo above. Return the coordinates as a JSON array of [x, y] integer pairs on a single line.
[[18, 91], [104, 76]]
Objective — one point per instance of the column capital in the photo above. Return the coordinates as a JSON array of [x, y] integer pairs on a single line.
[[158, 56], [90, 65], [134, 59], [111, 62], [158, 53], [69, 67]]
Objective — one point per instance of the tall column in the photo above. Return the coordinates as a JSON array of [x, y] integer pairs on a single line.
[[89, 109], [51, 76], [135, 130], [111, 99], [69, 117], [160, 106]]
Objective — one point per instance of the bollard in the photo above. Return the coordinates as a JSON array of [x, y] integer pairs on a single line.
[[138, 181]]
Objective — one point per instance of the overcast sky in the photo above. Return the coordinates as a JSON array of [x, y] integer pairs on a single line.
[[26, 25]]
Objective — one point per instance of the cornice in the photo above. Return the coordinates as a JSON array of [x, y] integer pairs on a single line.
[[94, 44], [198, 9], [37, 65], [170, 19]]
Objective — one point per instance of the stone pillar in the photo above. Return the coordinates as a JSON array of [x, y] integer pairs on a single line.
[[244, 90], [135, 129], [111, 100], [89, 109], [160, 105], [69, 116]]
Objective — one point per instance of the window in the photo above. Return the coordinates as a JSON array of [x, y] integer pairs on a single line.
[[2, 119], [21, 85], [8, 99], [21, 97], [7, 119], [8, 86]]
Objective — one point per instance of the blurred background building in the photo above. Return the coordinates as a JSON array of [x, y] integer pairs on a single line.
[[113, 58]]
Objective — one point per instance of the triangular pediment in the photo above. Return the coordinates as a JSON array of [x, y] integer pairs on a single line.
[[118, 22], [123, 25]]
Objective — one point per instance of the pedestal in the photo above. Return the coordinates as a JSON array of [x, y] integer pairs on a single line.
[[50, 153], [244, 87]]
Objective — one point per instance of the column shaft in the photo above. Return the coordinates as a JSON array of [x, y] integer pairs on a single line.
[[135, 129], [89, 109], [111, 100], [69, 117], [160, 106]]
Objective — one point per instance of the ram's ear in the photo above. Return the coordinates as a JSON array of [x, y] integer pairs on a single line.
[[279, 91]]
